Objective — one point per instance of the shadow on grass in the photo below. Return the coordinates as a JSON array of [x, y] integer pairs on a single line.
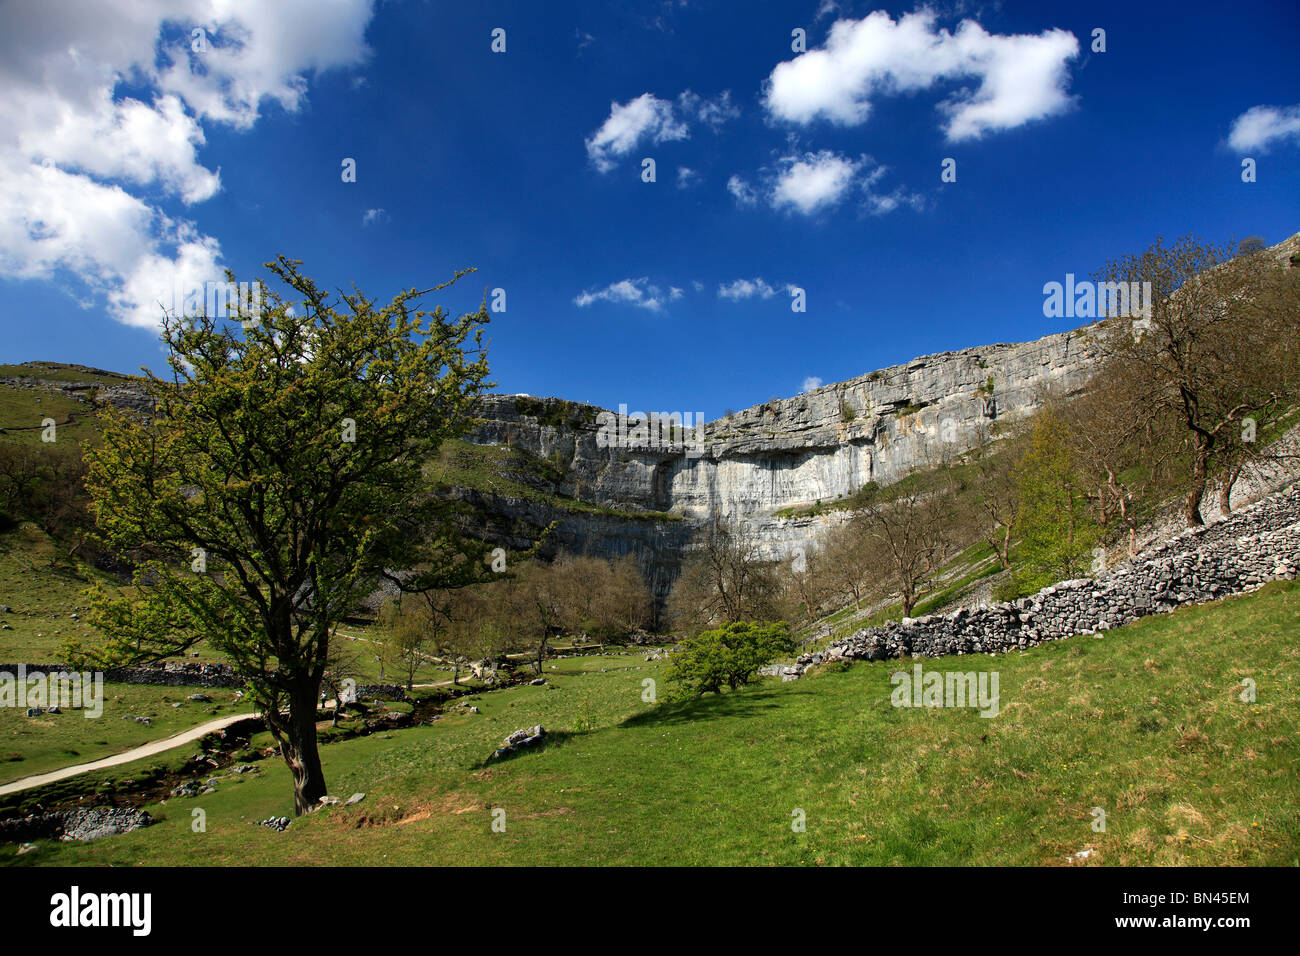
[[746, 702]]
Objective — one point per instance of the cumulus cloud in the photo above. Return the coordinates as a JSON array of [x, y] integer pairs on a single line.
[[745, 289], [641, 293], [813, 181], [374, 216], [809, 183], [810, 383], [1257, 129], [651, 119], [1017, 78], [78, 165]]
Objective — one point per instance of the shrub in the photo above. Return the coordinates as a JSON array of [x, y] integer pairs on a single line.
[[728, 656]]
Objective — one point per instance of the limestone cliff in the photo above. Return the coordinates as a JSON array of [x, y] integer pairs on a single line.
[[817, 446]]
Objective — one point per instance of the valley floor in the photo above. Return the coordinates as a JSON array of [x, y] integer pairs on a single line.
[[1146, 723]]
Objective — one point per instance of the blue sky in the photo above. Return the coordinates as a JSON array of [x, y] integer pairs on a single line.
[[129, 158]]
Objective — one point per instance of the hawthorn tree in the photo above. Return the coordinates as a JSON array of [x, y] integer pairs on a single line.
[[278, 476], [727, 656]]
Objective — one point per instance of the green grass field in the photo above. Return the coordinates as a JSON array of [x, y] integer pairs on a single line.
[[32, 745], [1145, 722]]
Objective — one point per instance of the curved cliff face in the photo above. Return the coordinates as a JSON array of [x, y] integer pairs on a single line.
[[819, 445]]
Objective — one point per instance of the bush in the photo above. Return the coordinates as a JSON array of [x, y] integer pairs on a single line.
[[728, 656]]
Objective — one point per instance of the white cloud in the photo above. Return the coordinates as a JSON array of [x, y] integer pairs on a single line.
[[74, 160], [826, 9], [686, 177], [713, 112], [746, 289], [374, 216], [1020, 77], [743, 192], [636, 292], [880, 204], [813, 181], [646, 117], [1261, 126], [649, 118], [810, 383]]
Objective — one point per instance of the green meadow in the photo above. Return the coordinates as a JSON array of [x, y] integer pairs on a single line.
[[1146, 723]]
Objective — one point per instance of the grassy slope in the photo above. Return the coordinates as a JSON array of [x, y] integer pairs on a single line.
[[1145, 722], [32, 745]]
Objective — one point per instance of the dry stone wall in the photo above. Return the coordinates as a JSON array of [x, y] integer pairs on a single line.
[[1257, 544]]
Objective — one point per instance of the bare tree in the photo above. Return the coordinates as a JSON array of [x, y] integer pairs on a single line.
[[724, 581], [848, 561], [911, 525], [995, 494], [1220, 346]]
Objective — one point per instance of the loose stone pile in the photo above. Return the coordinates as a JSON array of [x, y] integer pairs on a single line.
[[1257, 544]]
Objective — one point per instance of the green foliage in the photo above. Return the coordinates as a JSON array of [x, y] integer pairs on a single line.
[[1057, 534], [847, 414], [554, 412], [727, 656], [279, 475]]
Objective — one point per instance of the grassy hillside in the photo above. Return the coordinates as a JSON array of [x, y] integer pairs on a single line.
[[32, 745], [1145, 722]]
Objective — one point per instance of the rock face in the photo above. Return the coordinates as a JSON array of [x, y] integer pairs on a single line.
[[820, 445], [817, 446], [1260, 543]]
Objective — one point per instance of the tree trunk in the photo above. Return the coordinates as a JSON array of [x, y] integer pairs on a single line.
[[1200, 477], [1195, 495], [1225, 490], [296, 734]]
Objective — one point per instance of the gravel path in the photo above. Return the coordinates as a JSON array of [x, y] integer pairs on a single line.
[[126, 756]]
